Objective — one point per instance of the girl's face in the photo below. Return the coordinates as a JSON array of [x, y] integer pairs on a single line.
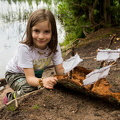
[[41, 34]]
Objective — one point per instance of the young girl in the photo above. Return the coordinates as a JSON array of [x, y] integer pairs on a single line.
[[24, 70]]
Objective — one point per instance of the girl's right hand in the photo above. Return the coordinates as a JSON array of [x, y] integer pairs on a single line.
[[49, 82]]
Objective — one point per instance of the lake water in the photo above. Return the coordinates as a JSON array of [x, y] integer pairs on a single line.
[[13, 19]]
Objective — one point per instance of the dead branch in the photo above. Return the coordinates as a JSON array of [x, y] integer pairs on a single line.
[[109, 46], [111, 40], [16, 102]]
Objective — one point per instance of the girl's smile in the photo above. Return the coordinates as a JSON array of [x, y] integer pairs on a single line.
[[41, 34]]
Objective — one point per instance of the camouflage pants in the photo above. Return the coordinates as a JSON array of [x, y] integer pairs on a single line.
[[18, 83]]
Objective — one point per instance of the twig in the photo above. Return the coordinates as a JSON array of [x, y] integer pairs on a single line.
[[16, 102], [73, 53], [116, 69], [111, 40], [23, 96], [112, 63], [101, 64]]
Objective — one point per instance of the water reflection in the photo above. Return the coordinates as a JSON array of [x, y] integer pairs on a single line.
[[19, 10], [13, 18]]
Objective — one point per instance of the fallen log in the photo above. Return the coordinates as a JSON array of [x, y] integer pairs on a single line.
[[101, 88]]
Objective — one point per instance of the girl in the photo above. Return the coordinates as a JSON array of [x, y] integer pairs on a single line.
[[24, 70]]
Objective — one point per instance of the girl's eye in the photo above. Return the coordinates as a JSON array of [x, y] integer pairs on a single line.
[[36, 30], [47, 31]]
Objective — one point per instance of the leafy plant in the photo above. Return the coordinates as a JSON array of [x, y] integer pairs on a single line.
[[89, 14], [36, 106], [11, 107]]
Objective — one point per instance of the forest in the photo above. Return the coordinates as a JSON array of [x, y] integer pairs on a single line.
[[80, 17]]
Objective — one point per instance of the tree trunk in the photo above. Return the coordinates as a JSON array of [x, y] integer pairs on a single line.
[[91, 15], [106, 14]]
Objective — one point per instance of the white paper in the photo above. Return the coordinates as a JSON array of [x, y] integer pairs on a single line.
[[96, 75], [71, 63], [110, 51], [108, 55]]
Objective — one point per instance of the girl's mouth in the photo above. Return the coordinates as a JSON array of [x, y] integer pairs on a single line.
[[41, 41]]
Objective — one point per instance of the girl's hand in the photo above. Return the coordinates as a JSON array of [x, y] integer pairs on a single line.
[[49, 82]]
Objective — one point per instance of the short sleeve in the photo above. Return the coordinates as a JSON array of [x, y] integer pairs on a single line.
[[24, 57], [57, 57]]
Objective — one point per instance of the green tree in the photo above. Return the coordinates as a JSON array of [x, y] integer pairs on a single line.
[[90, 15]]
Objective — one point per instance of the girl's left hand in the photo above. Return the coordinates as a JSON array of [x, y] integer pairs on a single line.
[[49, 82]]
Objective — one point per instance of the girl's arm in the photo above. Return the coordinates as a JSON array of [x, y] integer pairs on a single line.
[[48, 82], [30, 77], [59, 69]]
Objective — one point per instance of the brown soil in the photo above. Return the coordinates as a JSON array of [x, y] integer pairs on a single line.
[[68, 103]]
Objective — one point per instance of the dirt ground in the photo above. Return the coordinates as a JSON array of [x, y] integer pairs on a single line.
[[65, 104]]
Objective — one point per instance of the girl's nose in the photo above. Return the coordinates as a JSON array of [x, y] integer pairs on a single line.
[[41, 36]]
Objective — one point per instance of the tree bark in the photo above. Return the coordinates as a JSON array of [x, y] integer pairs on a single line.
[[106, 14]]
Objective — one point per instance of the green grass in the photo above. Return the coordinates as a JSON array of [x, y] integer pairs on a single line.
[[36, 106]]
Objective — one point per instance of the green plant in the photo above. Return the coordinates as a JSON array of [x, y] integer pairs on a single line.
[[11, 107], [36, 106]]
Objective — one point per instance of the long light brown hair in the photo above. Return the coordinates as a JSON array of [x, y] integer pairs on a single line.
[[41, 15]]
